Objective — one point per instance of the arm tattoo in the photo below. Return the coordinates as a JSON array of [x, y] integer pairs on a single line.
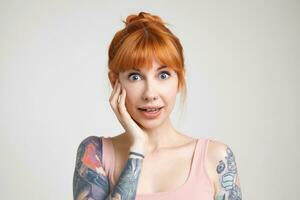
[[90, 181], [227, 176], [127, 184]]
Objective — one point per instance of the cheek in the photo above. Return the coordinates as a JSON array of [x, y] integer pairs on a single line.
[[170, 94], [171, 97], [131, 92], [170, 91], [131, 96]]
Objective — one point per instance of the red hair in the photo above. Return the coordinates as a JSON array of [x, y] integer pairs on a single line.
[[144, 38]]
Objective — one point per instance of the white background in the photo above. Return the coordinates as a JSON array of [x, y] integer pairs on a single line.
[[242, 61]]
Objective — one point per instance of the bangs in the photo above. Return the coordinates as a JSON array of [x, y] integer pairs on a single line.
[[140, 49], [145, 39]]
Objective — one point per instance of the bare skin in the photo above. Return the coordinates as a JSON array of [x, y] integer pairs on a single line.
[[90, 180], [174, 159], [159, 142], [222, 170], [134, 177], [217, 153]]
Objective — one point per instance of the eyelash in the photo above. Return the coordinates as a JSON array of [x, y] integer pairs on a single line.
[[163, 72]]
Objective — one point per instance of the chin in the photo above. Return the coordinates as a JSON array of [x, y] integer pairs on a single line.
[[149, 124]]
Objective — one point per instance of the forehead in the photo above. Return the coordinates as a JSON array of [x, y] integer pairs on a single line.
[[156, 65], [155, 68]]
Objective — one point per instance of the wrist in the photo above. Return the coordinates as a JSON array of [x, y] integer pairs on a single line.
[[133, 154], [138, 150]]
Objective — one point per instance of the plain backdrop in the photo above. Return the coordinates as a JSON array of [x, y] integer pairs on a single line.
[[242, 61]]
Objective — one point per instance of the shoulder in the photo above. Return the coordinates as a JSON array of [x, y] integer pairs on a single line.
[[96, 140], [217, 150], [89, 154], [89, 144], [222, 169], [218, 156], [90, 176]]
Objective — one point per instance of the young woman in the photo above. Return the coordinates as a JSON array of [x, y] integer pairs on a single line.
[[151, 159]]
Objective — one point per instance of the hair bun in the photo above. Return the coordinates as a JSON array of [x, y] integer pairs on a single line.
[[143, 17]]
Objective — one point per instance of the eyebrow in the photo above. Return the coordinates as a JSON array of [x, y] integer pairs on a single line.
[[162, 67]]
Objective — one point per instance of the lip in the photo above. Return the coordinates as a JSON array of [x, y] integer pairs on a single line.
[[151, 115], [150, 107]]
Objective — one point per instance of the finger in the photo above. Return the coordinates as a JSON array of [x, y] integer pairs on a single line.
[[115, 94], [114, 103], [121, 105], [114, 89]]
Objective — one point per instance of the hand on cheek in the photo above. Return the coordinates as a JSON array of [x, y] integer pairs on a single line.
[[117, 102]]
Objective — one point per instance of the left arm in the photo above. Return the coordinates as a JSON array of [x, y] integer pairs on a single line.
[[224, 172], [229, 184]]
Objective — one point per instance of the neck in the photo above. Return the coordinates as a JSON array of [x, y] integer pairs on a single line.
[[163, 136]]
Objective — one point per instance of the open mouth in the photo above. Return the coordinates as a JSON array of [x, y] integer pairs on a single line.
[[150, 113], [150, 110]]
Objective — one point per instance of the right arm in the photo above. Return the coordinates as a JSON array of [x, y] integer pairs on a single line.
[[90, 181]]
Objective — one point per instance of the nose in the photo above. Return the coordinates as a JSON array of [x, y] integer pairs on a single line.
[[150, 93]]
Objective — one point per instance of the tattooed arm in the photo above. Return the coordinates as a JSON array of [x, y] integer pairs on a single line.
[[90, 181], [223, 170]]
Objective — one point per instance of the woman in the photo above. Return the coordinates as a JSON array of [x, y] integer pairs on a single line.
[[151, 159]]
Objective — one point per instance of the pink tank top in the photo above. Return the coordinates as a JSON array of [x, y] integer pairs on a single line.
[[197, 186]]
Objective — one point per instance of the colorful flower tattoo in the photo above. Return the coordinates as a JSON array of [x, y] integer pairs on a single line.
[[90, 181]]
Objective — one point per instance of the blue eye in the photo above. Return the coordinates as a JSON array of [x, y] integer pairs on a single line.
[[134, 76], [165, 73]]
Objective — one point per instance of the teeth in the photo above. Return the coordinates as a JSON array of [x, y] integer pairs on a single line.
[[151, 110]]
